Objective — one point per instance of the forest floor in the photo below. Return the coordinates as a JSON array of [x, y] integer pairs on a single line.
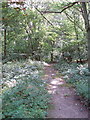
[[64, 101]]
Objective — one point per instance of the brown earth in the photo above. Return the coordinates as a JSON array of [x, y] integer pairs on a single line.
[[64, 101]]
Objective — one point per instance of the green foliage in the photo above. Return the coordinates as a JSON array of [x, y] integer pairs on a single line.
[[35, 38], [77, 75], [24, 94], [82, 89]]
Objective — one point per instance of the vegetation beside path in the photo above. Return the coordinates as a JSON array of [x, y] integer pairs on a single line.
[[42, 30], [76, 75], [24, 93]]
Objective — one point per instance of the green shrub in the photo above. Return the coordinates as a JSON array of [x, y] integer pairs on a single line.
[[28, 97], [22, 100], [82, 89], [77, 75]]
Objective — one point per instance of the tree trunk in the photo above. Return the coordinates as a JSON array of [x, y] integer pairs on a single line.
[[51, 56], [88, 36], [87, 26], [5, 43]]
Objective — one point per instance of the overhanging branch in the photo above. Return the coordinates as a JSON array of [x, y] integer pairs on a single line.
[[44, 16], [68, 6]]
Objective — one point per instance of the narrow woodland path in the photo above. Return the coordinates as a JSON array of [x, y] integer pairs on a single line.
[[64, 101]]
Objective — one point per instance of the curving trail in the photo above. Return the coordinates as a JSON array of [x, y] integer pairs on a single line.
[[64, 101]]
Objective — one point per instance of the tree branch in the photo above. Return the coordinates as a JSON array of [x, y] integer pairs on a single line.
[[42, 12], [70, 18], [66, 7], [44, 16]]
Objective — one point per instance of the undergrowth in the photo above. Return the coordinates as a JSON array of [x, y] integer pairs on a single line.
[[24, 93], [77, 75]]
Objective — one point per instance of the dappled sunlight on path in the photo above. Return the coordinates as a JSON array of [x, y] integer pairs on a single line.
[[52, 79], [52, 87], [63, 99]]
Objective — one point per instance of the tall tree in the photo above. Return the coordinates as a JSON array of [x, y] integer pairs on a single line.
[[86, 15]]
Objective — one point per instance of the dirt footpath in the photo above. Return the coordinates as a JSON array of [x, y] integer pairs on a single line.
[[64, 101]]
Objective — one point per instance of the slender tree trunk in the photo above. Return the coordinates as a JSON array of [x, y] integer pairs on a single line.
[[5, 43], [52, 56]]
